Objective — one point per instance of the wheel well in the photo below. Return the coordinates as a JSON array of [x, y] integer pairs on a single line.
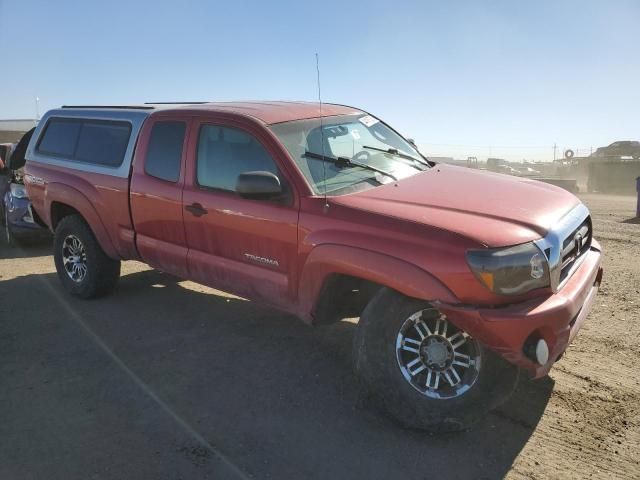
[[37, 219], [59, 211], [342, 296]]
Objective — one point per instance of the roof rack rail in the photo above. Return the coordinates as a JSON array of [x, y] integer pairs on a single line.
[[132, 107], [175, 103]]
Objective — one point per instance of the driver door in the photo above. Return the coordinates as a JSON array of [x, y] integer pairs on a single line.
[[247, 247]]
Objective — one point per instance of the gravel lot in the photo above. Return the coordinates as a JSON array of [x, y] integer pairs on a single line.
[[166, 379]]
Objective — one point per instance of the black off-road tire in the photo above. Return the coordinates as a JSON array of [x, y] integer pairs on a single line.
[[103, 272], [375, 363]]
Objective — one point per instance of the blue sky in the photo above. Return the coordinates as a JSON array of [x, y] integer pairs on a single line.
[[501, 78]]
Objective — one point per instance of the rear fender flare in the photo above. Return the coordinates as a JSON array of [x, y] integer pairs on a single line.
[[58, 192], [382, 269]]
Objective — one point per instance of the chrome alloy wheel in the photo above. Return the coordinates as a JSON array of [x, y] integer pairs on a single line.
[[438, 359], [74, 258]]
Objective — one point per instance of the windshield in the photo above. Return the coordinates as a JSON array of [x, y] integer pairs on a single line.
[[360, 138]]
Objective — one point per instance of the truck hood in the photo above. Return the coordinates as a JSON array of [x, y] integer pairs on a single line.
[[490, 208]]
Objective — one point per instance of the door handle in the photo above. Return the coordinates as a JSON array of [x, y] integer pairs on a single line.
[[196, 209]]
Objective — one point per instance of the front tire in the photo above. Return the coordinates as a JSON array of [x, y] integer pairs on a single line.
[[424, 371], [83, 268]]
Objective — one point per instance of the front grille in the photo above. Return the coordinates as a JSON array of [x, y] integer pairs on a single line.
[[576, 244]]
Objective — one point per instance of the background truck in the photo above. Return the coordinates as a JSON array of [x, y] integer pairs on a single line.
[[461, 278]]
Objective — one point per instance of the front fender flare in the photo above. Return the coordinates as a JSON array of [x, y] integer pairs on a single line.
[[382, 269]]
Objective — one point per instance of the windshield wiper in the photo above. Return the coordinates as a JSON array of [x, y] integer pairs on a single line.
[[345, 162], [397, 153]]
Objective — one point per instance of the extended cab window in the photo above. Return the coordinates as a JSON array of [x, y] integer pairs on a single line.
[[224, 153], [103, 143], [164, 154], [90, 141]]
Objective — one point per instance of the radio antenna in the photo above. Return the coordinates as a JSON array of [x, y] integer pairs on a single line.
[[324, 168]]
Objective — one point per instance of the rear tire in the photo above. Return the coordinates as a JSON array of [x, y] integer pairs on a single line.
[[83, 268], [377, 363]]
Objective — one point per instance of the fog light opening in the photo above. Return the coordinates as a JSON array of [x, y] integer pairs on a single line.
[[542, 352], [537, 350]]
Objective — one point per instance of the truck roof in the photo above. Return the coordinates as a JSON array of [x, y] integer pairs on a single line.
[[271, 112], [135, 116], [268, 112]]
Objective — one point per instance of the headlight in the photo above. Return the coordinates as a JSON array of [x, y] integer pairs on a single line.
[[512, 270], [18, 190]]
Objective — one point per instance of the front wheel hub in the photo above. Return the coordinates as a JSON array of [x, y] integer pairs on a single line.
[[438, 359], [436, 352]]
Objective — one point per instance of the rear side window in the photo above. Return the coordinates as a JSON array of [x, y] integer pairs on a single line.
[[60, 137], [225, 153], [164, 153], [90, 141]]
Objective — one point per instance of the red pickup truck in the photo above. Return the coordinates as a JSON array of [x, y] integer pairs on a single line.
[[461, 278]]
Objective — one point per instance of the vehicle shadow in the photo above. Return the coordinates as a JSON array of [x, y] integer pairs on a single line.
[[632, 220], [38, 246], [276, 397]]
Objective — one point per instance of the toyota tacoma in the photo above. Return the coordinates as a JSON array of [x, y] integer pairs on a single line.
[[462, 279]]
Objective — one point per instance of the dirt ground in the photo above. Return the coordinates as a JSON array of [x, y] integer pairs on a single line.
[[167, 379]]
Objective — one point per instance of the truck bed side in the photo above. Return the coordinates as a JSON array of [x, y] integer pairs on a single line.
[[101, 200]]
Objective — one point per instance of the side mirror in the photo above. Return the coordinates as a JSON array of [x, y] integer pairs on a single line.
[[258, 185], [412, 142]]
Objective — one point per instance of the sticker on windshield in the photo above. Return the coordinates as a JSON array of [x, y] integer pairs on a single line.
[[355, 134], [368, 120]]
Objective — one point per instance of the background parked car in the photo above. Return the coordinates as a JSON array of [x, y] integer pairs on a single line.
[[507, 170], [20, 222], [528, 171], [5, 151]]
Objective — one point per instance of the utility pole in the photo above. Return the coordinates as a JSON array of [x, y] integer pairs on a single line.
[[37, 110], [554, 151]]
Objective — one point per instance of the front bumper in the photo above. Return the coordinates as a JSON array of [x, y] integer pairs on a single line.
[[556, 318]]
